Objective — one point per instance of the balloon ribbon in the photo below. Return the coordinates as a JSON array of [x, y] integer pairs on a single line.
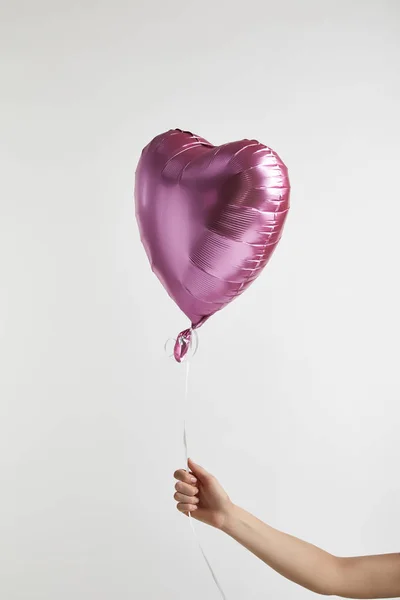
[[182, 347]]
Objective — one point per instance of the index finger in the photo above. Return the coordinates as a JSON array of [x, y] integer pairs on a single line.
[[184, 476]]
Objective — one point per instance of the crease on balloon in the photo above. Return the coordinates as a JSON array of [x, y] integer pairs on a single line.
[[238, 284], [180, 176], [235, 228], [255, 209], [189, 147], [217, 306], [252, 244], [199, 299], [257, 259], [196, 266], [264, 149], [265, 166], [234, 240], [156, 142], [205, 167], [249, 145]]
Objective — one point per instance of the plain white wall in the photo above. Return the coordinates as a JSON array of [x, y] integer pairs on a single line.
[[295, 388]]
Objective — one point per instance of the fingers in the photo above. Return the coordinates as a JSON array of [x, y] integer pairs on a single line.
[[186, 491], [183, 499], [186, 488], [199, 471], [186, 508], [184, 476]]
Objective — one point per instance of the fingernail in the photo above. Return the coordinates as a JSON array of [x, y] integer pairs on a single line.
[[193, 480]]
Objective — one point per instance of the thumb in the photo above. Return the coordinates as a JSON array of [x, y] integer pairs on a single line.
[[199, 471]]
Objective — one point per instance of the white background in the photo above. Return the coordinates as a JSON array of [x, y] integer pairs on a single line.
[[295, 390]]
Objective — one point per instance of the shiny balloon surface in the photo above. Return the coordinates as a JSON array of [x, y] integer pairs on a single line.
[[209, 216]]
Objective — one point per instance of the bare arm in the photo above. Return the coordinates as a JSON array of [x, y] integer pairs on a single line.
[[301, 562], [313, 568]]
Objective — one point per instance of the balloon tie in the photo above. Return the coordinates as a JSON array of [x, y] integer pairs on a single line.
[[183, 344]]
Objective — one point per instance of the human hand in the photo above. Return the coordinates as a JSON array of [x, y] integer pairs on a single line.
[[201, 495]]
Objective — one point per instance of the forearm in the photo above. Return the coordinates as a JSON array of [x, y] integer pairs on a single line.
[[295, 559], [349, 577]]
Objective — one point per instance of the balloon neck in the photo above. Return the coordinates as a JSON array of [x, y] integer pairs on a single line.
[[182, 344], [188, 340]]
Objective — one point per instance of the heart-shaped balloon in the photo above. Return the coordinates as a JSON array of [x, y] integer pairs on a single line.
[[209, 216]]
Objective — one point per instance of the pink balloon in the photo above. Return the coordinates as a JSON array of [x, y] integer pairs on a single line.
[[209, 217]]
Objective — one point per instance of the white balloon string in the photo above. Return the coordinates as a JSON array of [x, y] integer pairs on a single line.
[[185, 444]]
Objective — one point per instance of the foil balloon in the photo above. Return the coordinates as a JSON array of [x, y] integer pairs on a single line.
[[209, 217]]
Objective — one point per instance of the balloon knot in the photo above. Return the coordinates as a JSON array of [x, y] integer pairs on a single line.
[[182, 344]]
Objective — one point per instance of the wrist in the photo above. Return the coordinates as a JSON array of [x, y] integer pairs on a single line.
[[231, 518]]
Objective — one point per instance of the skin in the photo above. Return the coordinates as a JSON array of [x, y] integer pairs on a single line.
[[199, 493]]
